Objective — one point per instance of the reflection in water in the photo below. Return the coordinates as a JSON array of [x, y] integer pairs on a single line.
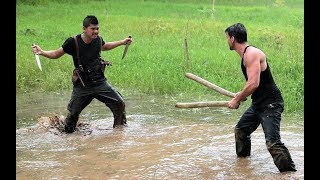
[[160, 142]]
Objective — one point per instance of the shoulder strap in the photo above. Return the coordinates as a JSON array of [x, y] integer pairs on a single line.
[[77, 50], [245, 49], [100, 44]]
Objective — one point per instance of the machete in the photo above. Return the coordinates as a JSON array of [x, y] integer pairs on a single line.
[[125, 49], [38, 60]]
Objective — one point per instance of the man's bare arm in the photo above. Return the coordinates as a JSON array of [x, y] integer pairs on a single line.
[[253, 69], [51, 54], [111, 45]]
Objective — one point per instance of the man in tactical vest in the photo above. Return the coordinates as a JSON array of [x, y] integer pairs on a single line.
[[88, 77]]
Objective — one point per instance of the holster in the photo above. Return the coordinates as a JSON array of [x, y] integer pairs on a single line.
[[104, 63], [76, 76]]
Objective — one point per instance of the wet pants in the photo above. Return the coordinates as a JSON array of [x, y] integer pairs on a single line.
[[269, 118], [82, 96]]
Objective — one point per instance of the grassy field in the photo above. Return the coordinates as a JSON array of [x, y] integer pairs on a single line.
[[156, 60]]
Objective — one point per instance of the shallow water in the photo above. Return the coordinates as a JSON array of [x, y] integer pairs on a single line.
[[160, 142]]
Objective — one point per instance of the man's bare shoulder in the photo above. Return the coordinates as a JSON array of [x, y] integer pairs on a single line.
[[253, 52]]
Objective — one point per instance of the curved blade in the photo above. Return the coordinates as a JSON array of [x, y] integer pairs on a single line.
[[38, 61], [125, 50]]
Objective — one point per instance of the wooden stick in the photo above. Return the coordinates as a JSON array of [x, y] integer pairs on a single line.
[[210, 85], [186, 54], [202, 104], [212, 11]]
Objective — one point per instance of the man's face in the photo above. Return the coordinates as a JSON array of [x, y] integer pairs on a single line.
[[230, 40], [92, 31]]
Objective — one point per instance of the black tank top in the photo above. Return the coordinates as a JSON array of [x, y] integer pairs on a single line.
[[267, 91]]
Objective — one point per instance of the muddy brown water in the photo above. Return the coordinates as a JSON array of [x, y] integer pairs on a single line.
[[160, 142]]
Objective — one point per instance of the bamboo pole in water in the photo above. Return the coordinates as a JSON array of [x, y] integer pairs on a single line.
[[202, 104]]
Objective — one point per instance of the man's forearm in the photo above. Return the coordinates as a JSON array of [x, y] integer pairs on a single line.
[[52, 54], [49, 54], [246, 91], [112, 45]]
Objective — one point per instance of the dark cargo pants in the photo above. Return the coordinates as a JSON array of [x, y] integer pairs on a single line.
[[269, 118], [82, 96]]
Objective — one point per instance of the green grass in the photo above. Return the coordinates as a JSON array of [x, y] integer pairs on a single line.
[[155, 62]]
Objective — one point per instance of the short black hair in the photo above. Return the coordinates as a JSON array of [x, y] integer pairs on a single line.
[[238, 31], [90, 19]]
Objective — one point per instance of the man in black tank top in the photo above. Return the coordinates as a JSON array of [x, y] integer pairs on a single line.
[[89, 81], [267, 102]]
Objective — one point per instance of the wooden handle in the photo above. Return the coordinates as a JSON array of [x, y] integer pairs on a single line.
[[203, 104], [210, 85]]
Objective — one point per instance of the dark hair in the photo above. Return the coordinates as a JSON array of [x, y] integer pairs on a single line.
[[238, 31], [90, 19]]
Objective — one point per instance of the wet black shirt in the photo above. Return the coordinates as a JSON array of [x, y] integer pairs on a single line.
[[89, 58], [267, 91]]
